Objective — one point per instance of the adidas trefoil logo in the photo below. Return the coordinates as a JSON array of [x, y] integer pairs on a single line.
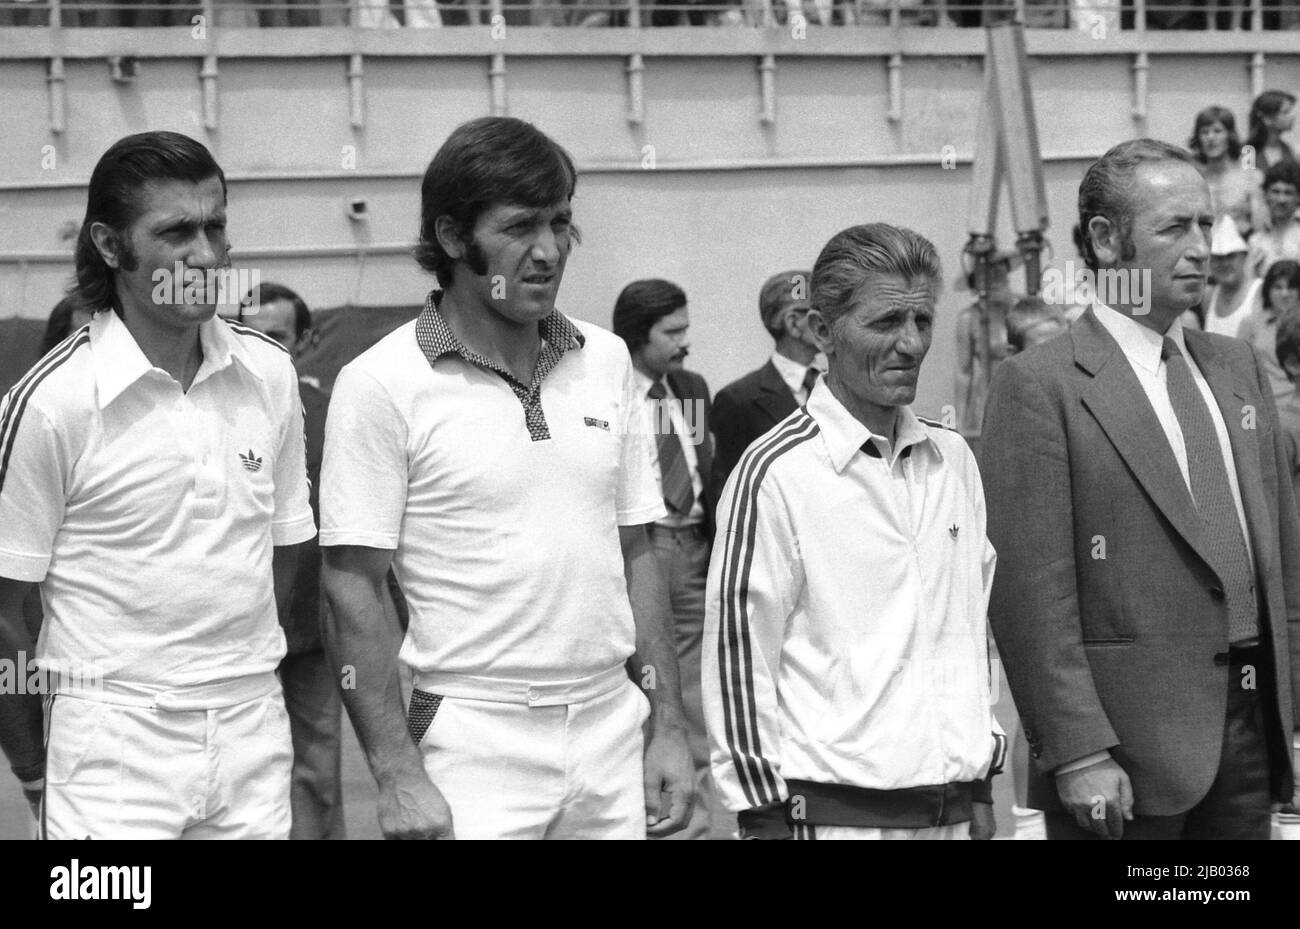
[[953, 530], [250, 461]]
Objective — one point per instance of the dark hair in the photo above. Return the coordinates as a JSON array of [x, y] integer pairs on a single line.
[[1208, 117], [1107, 186], [114, 199], [859, 253], [1283, 270], [641, 305], [1266, 105], [59, 326], [1287, 341], [269, 293], [779, 291], [495, 159], [1286, 172]]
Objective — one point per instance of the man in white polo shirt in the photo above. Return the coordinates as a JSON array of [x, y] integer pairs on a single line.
[[153, 481], [489, 452], [846, 670]]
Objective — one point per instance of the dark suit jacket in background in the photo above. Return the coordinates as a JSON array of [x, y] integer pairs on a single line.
[[687, 385], [743, 411], [1119, 652]]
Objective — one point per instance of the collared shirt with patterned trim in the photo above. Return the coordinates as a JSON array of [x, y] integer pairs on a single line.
[[436, 340]]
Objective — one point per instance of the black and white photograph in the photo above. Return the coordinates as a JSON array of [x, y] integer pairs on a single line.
[[651, 420]]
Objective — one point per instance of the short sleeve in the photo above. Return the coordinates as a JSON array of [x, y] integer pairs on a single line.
[[638, 499], [364, 474], [33, 475], [293, 522]]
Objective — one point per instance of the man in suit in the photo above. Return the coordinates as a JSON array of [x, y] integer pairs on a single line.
[[651, 316], [749, 407], [1148, 585]]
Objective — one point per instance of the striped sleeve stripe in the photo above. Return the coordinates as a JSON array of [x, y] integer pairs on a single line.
[[245, 330], [735, 660], [20, 392]]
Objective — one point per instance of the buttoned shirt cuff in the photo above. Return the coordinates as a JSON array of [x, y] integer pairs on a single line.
[[1080, 763]]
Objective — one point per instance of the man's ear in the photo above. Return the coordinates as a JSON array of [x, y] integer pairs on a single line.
[[448, 237], [107, 243], [1105, 239], [820, 330]]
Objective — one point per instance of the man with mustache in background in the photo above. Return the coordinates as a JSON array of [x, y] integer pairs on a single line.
[[652, 317]]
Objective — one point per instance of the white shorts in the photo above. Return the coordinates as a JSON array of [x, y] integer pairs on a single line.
[[119, 771], [511, 770]]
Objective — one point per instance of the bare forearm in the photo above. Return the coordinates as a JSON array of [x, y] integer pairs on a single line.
[[362, 640], [654, 664], [284, 568]]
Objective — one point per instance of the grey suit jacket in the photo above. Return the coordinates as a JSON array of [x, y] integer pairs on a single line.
[[1107, 609]]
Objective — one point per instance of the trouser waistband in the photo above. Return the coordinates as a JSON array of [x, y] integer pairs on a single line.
[[207, 696], [864, 807], [532, 693]]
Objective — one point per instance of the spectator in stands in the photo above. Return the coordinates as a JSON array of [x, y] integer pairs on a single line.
[[311, 694], [1280, 236], [1277, 299], [1288, 410], [1282, 288], [1098, 18], [1270, 119], [1235, 293], [1234, 189], [67, 317]]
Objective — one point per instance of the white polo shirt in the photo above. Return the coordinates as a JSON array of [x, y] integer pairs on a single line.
[[147, 513], [502, 501]]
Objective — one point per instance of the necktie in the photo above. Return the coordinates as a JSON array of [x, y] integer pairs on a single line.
[[678, 492], [809, 378], [1212, 494]]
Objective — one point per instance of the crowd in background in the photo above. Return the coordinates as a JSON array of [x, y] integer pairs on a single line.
[[1094, 16]]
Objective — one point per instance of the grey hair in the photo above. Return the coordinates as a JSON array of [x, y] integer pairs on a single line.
[[872, 250], [1107, 188]]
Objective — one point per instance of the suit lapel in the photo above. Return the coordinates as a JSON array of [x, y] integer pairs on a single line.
[[774, 397], [1117, 401], [1234, 396]]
